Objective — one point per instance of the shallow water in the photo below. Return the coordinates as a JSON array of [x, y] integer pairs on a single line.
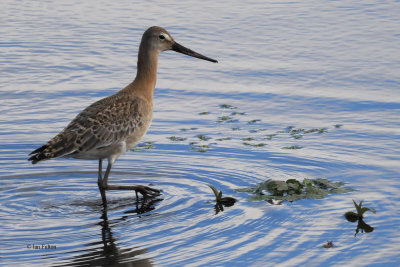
[[321, 64]]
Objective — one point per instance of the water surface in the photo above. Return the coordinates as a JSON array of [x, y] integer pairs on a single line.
[[322, 64]]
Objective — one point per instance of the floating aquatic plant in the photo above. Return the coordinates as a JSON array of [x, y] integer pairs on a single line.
[[201, 148], [146, 145], [223, 139], [293, 189], [226, 119], [204, 113], [203, 137], [176, 138], [221, 202], [329, 244], [293, 131], [238, 113], [359, 216], [255, 145], [227, 106], [253, 121], [246, 143]]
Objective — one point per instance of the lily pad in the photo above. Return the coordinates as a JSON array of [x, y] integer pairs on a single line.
[[293, 189], [176, 138]]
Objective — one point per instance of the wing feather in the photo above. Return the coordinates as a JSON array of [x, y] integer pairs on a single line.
[[105, 122]]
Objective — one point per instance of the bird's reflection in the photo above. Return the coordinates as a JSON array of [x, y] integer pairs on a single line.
[[363, 227], [223, 202], [107, 252]]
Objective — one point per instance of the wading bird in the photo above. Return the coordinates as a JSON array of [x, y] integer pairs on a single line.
[[115, 124]]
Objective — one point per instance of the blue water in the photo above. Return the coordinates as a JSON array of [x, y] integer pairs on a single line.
[[321, 64]]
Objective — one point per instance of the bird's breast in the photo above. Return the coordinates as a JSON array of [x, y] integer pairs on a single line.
[[139, 131]]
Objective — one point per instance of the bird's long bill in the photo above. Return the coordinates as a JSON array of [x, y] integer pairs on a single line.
[[181, 49]]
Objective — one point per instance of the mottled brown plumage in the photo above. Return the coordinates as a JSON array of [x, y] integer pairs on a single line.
[[105, 123], [113, 125]]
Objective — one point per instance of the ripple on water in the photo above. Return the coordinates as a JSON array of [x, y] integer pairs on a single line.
[[64, 209], [318, 65]]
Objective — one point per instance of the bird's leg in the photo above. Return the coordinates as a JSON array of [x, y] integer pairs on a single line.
[[100, 183], [144, 190]]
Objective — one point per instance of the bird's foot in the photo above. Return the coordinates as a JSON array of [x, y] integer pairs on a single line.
[[144, 190]]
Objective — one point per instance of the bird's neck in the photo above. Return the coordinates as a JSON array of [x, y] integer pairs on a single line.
[[146, 76]]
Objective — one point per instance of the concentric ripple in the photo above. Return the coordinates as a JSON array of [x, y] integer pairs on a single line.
[[302, 89], [63, 211]]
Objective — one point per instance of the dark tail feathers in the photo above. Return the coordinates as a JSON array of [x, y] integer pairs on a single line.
[[39, 154]]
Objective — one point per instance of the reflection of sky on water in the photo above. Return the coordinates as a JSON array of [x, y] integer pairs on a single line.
[[308, 65]]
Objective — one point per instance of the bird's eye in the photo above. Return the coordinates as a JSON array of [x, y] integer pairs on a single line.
[[162, 37]]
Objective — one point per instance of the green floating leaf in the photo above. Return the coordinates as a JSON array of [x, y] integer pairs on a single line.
[[226, 119], [260, 198], [293, 189], [203, 137], [201, 148], [176, 138], [250, 144], [341, 190], [246, 189], [353, 217], [259, 145], [204, 113], [146, 145], [326, 184], [216, 193], [221, 201]]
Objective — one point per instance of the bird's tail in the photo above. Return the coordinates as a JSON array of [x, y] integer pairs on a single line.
[[61, 145]]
